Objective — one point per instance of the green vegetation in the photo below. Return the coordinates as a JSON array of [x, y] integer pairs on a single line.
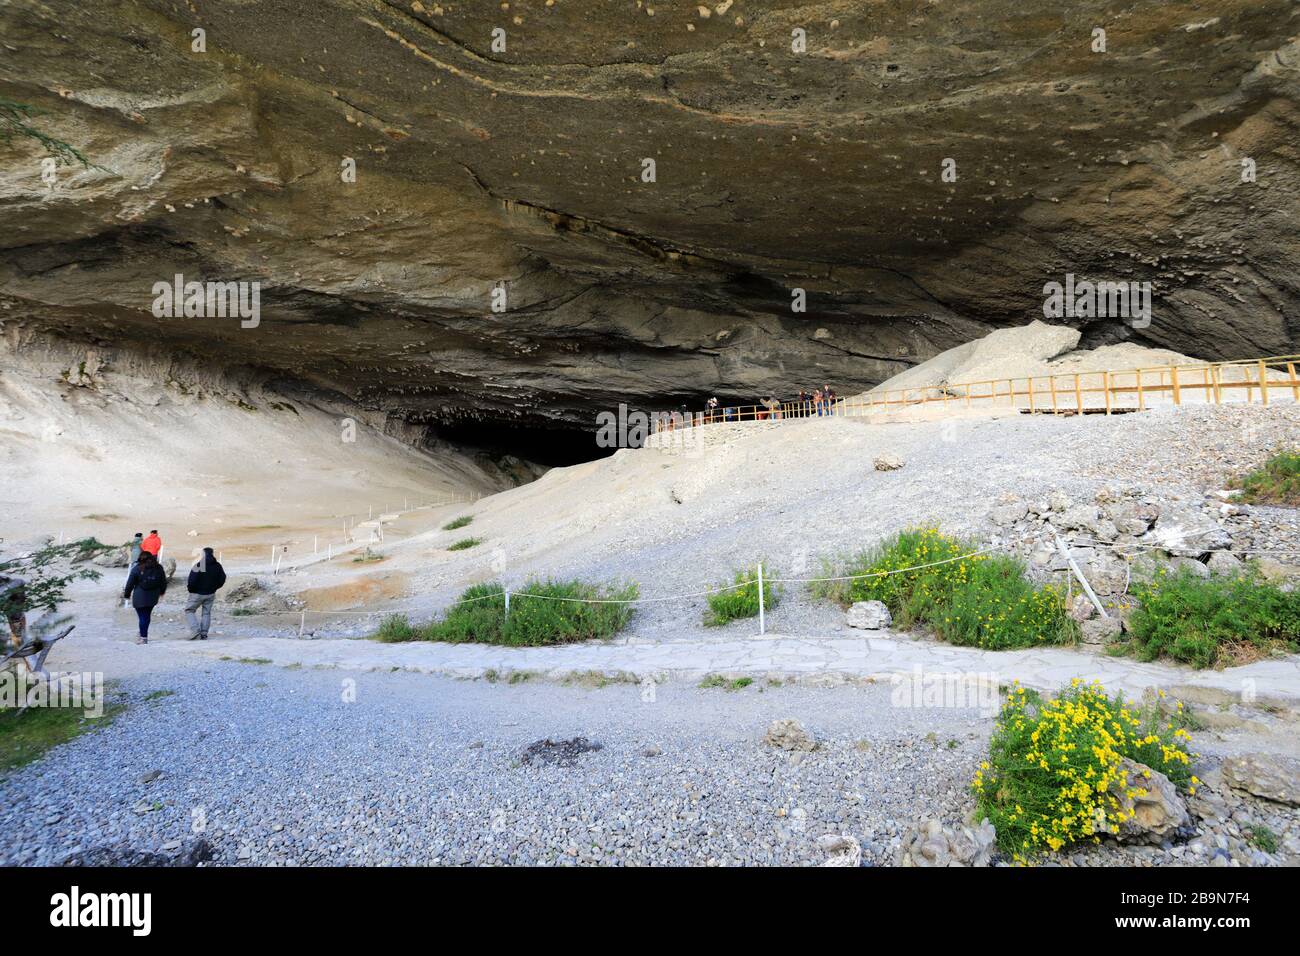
[[395, 629], [464, 543], [978, 601], [367, 557], [1055, 773], [25, 736], [455, 523], [544, 612], [1276, 482], [46, 583], [243, 611], [739, 602], [1214, 621], [717, 680], [1262, 838]]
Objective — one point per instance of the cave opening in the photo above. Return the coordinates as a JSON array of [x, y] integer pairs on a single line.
[[554, 447]]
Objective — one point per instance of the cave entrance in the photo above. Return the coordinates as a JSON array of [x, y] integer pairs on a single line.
[[552, 447]]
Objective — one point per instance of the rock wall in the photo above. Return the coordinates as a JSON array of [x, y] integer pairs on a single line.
[[523, 168]]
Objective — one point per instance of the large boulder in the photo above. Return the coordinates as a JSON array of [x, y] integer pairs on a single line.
[[113, 558], [1189, 532], [870, 615], [930, 843], [1100, 630], [1270, 776], [1153, 808]]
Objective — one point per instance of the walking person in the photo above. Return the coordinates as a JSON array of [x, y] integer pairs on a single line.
[[137, 545], [817, 402], [207, 577], [145, 586], [828, 396], [152, 544], [712, 405], [13, 607]]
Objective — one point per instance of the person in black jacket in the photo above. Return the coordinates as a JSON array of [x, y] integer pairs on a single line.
[[145, 586], [207, 577]]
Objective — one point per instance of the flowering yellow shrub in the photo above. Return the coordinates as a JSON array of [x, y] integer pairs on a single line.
[[1054, 774]]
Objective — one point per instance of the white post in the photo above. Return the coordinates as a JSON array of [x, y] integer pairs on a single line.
[[329, 551], [762, 624], [314, 540], [507, 592], [1087, 588], [302, 625], [273, 559]]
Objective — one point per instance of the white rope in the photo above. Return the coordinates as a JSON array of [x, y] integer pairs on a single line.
[[880, 574], [1155, 547]]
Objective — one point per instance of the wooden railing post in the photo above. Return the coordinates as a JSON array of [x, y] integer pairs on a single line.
[[1263, 382], [1295, 385], [1142, 404], [1105, 384], [1173, 377]]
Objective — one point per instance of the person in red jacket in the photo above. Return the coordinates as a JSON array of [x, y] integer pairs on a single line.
[[152, 544]]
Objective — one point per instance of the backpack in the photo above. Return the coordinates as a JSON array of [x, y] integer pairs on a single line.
[[153, 578]]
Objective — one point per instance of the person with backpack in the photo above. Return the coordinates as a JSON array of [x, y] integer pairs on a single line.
[[207, 577], [145, 586]]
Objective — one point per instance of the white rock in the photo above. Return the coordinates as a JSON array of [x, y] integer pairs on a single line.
[[871, 615]]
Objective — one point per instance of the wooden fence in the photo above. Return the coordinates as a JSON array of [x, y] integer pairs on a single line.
[[1261, 381]]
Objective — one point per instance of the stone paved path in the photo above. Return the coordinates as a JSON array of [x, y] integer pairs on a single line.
[[786, 657]]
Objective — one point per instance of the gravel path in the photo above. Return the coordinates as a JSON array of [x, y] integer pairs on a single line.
[[428, 770]]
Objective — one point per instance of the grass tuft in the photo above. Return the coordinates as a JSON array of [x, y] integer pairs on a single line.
[[740, 602], [542, 613], [455, 523], [1212, 622], [464, 543], [1276, 482]]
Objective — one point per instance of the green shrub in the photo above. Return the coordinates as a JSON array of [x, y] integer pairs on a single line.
[[979, 601], [1276, 482], [395, 628], [537, 615], [1214, 621], [1054, 767], [741, 601], [464, 543], [455, 523]]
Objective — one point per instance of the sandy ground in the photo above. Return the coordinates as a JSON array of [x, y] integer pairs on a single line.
[[100, 448]]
